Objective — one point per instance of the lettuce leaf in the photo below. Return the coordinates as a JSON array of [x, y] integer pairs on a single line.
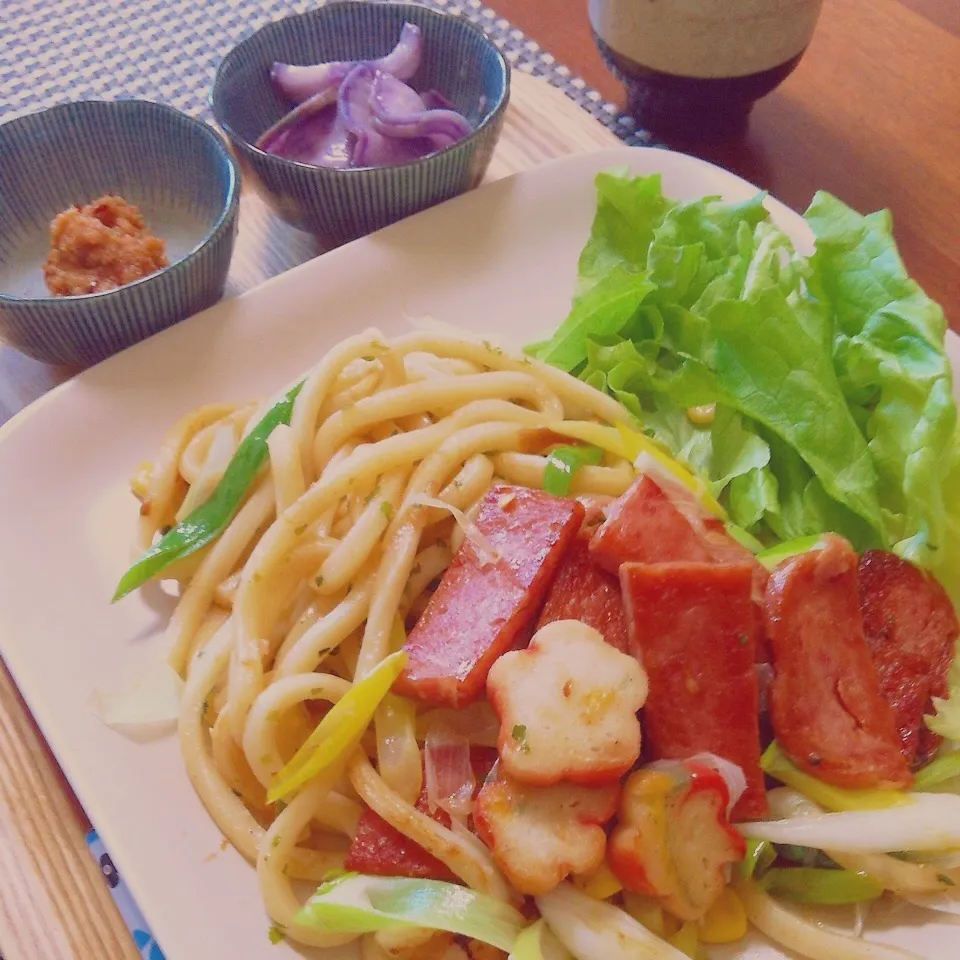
[[831, 385], [946, 721], [891, 363]]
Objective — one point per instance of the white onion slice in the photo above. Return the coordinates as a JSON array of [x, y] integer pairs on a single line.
[[931, 822], [786, 928], [477, 723], [485, 550], [733, 776], [448, 772], [945, 902], [597, 930], [146, 704]]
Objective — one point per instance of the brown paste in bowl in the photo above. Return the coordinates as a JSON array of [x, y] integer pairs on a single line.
[[100, 246]]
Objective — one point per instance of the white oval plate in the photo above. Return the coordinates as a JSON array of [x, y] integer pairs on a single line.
[[501, 260]]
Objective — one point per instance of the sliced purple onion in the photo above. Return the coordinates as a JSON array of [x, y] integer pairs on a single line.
[[372, 148], [392, 115], [273, 139], [404, 60], [393, 98], [320, 139], [353, 100], [435, 100], [361, 113], [299, 83]]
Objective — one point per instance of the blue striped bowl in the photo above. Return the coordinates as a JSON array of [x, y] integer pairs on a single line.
[[177, 170], [341, 205]]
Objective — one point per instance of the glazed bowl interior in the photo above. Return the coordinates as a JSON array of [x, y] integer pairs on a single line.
[[179, 176]]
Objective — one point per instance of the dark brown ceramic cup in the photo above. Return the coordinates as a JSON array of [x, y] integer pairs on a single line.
[[694, 68]]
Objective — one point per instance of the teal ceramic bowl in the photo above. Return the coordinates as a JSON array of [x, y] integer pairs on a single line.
[[177, 170], [338, 205]]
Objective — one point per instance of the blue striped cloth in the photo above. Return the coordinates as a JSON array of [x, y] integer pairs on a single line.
[[168, 50]]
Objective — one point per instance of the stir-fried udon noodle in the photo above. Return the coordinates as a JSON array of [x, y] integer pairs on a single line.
[[337, 545], [299, 596]]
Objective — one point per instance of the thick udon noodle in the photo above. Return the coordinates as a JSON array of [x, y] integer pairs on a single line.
[[299, 596]]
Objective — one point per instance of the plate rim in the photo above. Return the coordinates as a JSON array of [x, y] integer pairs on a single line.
[[40, 712]]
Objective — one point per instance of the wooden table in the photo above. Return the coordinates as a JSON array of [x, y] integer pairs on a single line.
[[872, 114], [54, 904]]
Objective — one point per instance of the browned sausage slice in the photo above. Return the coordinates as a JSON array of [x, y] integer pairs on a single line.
[[695, 625], [827, 709], [483, 603], [911, 629], [583, 591]]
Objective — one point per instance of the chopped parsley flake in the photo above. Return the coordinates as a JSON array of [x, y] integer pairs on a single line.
[[519, 734]]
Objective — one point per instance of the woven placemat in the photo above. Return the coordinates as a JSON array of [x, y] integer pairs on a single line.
[[168, 50]]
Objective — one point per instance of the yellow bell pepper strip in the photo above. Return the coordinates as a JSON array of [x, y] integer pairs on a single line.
[[563, 462], [596, 434], [637, 443], [820, 886], [945, 767], [725, 921], [649, 912], [601, 884], [211, 518], [777, 765], [340, 730], [687, 941], [398, 634]]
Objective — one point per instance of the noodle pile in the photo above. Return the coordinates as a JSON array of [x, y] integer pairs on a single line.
[[340, 538]]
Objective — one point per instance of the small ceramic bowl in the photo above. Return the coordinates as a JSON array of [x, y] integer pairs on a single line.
[[341, 205], [177, 170]]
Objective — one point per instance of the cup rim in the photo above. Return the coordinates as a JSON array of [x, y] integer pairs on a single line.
[[263, 156], [226, 217]]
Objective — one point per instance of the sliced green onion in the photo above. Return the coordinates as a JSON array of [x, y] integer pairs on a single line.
[[211, 518], [744, 538], [356, 903], [945, 767], [804, 856], [758, 858], [791, 548], [536, 942], [815, 885], [340, 730], [563, 463], [776, 763]]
